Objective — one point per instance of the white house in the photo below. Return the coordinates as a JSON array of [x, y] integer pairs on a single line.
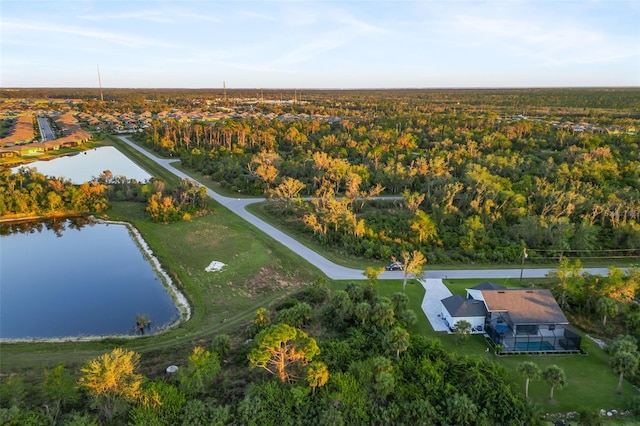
[[456, 308]]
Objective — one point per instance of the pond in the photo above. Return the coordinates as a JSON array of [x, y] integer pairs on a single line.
[[73, 278], [84, 166]]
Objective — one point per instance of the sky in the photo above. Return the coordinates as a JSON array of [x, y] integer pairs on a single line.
[[319, 44]]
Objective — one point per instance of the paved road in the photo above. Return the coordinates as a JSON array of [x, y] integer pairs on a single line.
[[332, 270], [46, 134]]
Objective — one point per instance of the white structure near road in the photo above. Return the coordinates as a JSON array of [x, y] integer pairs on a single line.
[[435, 291], [456, 308]]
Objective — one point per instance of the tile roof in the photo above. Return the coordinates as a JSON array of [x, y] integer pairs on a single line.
[[526, 306]]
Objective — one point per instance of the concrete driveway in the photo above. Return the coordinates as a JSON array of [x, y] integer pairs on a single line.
[[435, 291]]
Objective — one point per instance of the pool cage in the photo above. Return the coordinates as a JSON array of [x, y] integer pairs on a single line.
[[531, 337]]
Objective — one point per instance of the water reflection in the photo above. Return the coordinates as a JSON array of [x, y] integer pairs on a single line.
[[73, 277], [83, 168], [56, 225]]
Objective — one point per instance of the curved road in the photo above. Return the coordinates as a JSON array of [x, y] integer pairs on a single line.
[[332, 270]]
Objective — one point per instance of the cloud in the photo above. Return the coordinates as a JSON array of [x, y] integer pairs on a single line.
[[51, 31], [256, 15], [327, 30], [160, 16], [538, 38]]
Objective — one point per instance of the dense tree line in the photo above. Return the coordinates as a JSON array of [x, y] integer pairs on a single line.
[[488, 185], [606, 306], [26, 192], [163, 204], [317, 358], [579, 102]]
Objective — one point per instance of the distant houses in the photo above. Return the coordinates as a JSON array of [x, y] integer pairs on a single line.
[[74, 135]]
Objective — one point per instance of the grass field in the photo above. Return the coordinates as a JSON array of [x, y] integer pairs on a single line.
[[260, 272]]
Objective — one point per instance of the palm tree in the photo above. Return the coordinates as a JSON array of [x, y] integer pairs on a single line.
[[462, 329], [623, 363], [397, 340], [317, 375], [362, 311], [531, 371], [555, 377], [461, 409], [624, 357], [607, 308], [424, 226]]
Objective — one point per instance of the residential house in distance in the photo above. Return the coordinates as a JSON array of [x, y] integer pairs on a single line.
[[515, 319]]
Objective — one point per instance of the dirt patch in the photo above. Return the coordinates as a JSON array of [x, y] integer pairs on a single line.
[[598, 342], [267, 280]]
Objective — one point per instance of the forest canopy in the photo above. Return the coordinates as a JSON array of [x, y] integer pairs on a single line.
[[474, 185]]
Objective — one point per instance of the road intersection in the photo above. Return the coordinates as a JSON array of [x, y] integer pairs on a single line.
[[331, 269]]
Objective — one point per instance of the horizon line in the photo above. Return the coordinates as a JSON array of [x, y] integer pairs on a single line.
[[329, 88]]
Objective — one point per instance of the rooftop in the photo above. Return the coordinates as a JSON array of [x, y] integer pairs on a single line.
[[525, 306]]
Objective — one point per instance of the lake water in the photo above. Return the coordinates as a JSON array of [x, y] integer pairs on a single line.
[[82, 167], [68, 278]]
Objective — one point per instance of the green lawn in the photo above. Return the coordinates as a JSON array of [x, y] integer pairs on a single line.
[[259, 272]]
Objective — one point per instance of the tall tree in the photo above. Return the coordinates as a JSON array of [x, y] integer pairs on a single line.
[[397, 340], [424, 227], [462, 329], [199, 373], [555, 377], [372, 273], [221, 345], [413, 266], [461, 410], [530, 371], [567, 274], [606, 308], [288, 189], [280, 349], [59, 389], [160, 404], [624, 357], [623, 363]]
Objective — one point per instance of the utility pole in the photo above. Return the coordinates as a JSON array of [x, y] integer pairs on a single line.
[[224, 88], [524, 256], [100, 84]]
